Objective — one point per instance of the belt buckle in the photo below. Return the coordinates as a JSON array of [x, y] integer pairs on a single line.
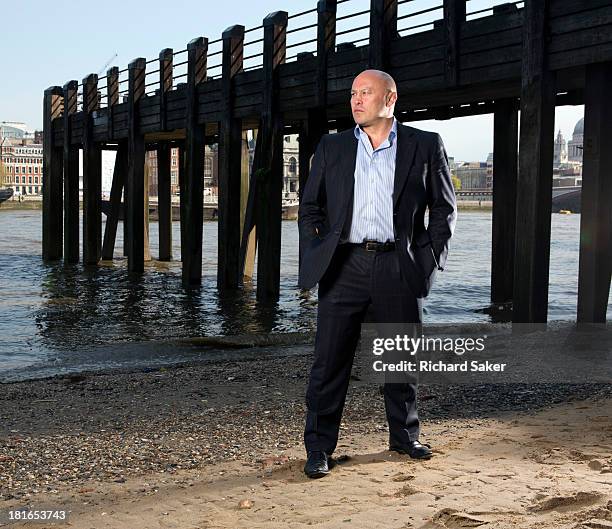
[[371, 246]]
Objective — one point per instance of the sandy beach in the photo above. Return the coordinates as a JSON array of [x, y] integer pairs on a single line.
[[219, 445]]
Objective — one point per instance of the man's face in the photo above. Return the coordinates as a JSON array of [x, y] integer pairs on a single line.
[[369, 96]]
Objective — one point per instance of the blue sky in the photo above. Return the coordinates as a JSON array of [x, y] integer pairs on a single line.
[[35, 56]]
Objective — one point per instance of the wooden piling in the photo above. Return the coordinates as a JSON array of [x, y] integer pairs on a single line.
[[595, 264], [134, 214], [92, 176], [194, 165], [71, 177], [52, 233], [505, 168], [117, 187], [270, 176], [534, 188], [164, 201], [383, 29], [230, 165], [454, 16]]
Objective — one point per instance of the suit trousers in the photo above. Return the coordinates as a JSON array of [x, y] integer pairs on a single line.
[[355, 281]]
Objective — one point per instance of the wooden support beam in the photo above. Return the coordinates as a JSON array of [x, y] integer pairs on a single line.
[[383, 29], [134, 214], [230, 164], [165, 85], [92, 176], [505, 169], [194, 165], [116, 206], [247, 264], [52, 177], [595, 264], [270, 179], [112, 99], [315, 125], [71, 177], [454, 16], [164, 201], [182, 196], [534, 188]]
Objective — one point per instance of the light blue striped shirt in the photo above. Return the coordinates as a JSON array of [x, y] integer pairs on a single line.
[[373, 198]]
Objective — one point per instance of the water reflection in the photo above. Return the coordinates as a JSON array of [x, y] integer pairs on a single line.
[[52, 311]]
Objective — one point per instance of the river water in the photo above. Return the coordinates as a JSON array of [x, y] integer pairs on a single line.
[[56, 318]]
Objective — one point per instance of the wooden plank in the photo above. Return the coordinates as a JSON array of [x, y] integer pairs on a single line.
[[595, 264], [194, 165], [52, 177], [92, 176], [433, 53], [501, 55], [454, 17], [505, 170], [116, 205], [560, 8], [164, 200], [581, 57], [71, 178], [230, 165], [482, 43], [491, 25], [534, 188], [497, 72], [580, 39], [584, 20], [134, 216]]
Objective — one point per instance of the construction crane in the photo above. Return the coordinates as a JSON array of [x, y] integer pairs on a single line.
[[107, 64]]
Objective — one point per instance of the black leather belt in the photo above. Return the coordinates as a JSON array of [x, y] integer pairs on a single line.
[[373, 246]]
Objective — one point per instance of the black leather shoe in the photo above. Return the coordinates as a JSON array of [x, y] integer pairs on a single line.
[[317, 464], [414, 449]]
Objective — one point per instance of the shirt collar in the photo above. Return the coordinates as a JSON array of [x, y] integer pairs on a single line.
[[392, 133]]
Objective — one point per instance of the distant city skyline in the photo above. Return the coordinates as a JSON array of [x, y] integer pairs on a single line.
[[86, 43]]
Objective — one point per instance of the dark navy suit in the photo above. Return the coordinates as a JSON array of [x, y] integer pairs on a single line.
[[352, 280]]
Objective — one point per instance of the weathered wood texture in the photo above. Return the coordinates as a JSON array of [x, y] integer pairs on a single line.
[[52, 177], [230, 164], [134, 215], [164, 201], [71, 178], [116, 205], [487, 64], [92, 176], [194, 165], [595, 263], [505, 151], [534, 190]]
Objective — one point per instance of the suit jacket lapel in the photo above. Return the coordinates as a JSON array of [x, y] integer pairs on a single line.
[[349, 160], [404, 158]]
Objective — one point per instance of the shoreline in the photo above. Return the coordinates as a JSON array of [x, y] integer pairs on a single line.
[[32, 205], [138, 442]]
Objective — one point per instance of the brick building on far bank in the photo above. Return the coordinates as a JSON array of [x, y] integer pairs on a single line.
[[21, 158]]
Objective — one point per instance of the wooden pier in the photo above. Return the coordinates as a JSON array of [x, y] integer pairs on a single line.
[[528, 56]]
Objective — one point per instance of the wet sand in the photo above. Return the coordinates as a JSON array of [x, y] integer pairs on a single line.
[[219, 445]]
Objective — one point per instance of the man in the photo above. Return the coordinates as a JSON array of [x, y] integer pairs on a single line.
[[364, 240]]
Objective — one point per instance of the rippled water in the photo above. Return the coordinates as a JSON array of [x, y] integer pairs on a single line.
[[79, 317]]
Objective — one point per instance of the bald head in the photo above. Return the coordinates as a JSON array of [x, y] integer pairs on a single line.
[[378, 76], [373, 97]]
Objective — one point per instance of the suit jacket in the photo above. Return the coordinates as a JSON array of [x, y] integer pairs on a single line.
[[422, 180]]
